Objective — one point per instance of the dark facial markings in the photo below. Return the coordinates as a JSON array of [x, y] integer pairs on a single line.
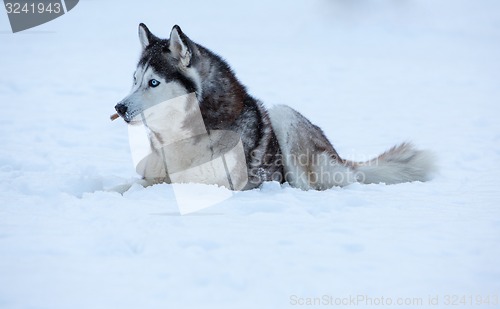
[[157, 55]]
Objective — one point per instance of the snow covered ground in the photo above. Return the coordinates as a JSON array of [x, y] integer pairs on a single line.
[[370, 73]]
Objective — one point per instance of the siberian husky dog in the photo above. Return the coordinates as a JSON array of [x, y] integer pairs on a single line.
[[217, 116]]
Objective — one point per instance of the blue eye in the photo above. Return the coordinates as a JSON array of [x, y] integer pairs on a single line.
[[153, 83]]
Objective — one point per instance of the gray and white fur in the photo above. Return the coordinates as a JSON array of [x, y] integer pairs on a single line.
[[279, 145]]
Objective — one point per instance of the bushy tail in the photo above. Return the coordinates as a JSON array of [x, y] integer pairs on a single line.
[[402, 163]]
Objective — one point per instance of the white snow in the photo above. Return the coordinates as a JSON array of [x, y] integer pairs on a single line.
[[370, 73]]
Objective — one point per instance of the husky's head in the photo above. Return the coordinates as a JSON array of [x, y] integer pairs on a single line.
[[166, 70]]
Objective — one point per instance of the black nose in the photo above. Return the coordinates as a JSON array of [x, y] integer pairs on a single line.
[[121, 109]]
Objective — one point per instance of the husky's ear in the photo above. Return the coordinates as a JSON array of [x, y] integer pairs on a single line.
[[179, 46], [145, 36]]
